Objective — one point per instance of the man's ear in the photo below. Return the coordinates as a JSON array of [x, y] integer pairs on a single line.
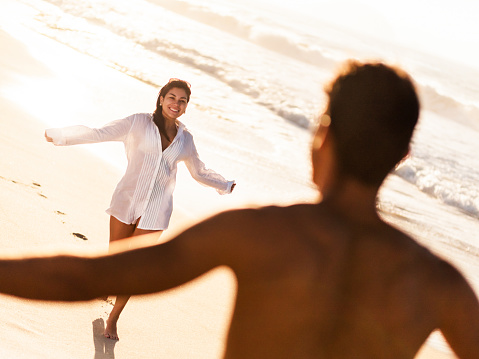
[[323, 159], [321, 131]]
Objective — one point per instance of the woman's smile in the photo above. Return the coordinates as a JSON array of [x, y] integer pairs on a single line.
[[174, 103]]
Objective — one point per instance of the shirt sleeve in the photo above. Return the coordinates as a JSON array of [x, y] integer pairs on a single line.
[[76, 135], [203, 175]]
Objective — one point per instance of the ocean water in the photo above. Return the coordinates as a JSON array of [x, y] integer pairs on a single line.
[[257, 70]]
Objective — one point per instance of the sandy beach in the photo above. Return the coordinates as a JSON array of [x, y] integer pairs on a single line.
[[53, 199]]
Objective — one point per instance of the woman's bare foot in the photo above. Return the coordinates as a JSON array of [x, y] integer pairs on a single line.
[[111, 330]]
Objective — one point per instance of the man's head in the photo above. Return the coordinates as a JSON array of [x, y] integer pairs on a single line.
[[373, 109]]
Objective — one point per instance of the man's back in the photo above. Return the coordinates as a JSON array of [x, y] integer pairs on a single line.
[[312, 283]]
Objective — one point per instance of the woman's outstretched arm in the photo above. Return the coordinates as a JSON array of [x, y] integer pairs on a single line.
[[203, 175], [76, 135]]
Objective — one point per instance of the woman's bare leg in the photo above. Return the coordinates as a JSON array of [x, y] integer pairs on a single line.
[[120, 230]]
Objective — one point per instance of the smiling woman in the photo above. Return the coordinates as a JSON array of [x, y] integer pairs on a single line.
[[155, 143]]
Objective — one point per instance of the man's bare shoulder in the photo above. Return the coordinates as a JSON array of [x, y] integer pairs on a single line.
[[244, 222], [289, 227], [269, 231], [256, 215], [315, 220], [394, 250]]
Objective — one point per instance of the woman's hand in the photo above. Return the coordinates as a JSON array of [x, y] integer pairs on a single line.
[[49, 139]]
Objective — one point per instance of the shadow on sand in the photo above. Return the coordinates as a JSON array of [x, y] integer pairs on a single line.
[[104, 347]]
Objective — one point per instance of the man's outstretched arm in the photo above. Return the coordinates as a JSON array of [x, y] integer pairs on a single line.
[[51, 278], [150, 269]]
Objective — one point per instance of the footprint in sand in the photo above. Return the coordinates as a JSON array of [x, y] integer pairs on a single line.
[[34, 185], [81, 236]]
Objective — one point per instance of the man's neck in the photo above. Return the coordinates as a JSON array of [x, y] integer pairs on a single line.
[[355, 201]]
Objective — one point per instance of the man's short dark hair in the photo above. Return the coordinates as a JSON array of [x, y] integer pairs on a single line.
[[374, 109]]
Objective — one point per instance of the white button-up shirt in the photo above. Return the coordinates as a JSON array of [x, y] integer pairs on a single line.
[[146, 189]]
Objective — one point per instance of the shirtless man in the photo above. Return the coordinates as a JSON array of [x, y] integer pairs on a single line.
[[325, 280]]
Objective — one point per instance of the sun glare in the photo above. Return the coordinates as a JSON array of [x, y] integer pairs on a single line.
[[449, 30]]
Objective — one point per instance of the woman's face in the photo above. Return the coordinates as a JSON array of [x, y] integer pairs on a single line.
[[174, 103]]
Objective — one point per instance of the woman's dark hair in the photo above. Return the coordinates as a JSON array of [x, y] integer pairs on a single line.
[[373, 109], [157, 114]]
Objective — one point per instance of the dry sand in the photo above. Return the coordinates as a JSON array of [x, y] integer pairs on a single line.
[[50, 193]]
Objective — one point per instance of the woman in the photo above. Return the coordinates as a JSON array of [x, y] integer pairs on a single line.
[[154, 143]]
